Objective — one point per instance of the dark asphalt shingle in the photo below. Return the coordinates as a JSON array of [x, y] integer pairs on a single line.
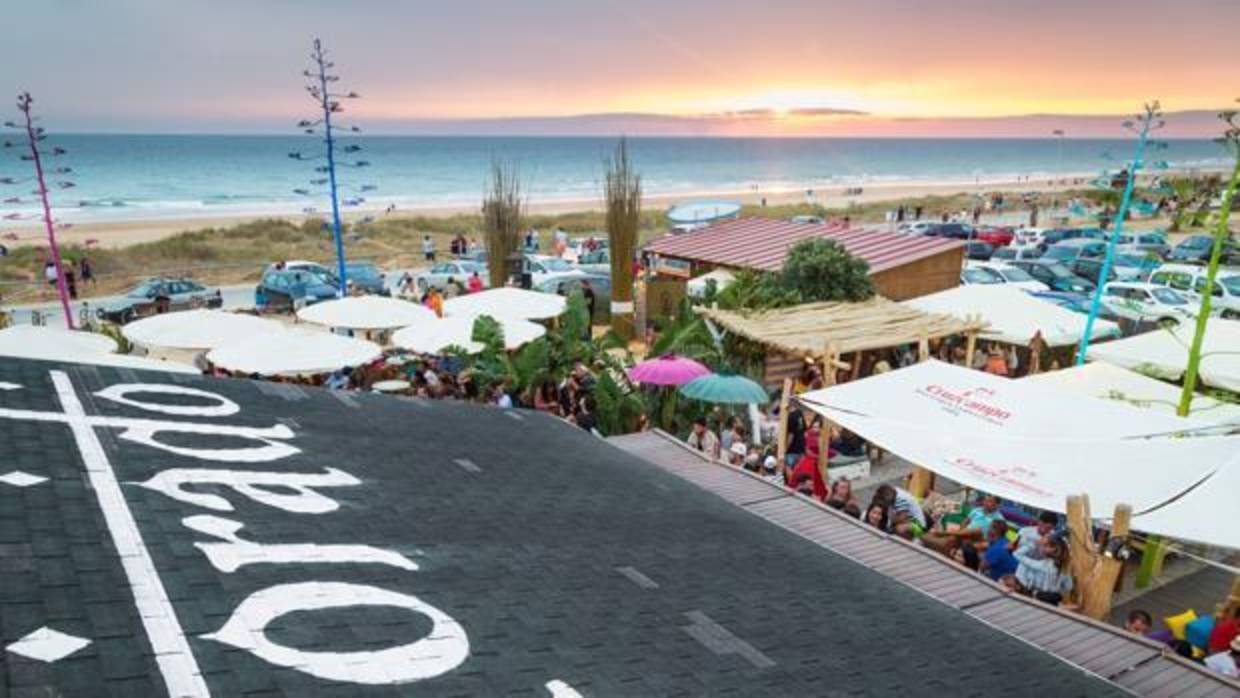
[[524, 553]]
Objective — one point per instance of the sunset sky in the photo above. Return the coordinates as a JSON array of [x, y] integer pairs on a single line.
[[777, 67]]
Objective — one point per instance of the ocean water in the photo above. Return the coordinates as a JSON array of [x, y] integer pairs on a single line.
[[129, 177]]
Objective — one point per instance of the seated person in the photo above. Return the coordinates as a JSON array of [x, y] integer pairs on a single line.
[[1028, 537], [1139, 622], [972, 530], [1045, 578], [1224, 633], [997, 561], [841, 494], [1226, 663], [897, 499]]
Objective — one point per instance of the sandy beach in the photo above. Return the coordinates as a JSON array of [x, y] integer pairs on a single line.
[[124, 233]]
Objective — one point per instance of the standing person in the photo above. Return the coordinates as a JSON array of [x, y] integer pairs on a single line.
[[501, 397], [703, 439], [588, 291], [796, 440], [475, 283], [428, 248], [434, 301], [87, 271], [917, 213], [71, 280], [49, 272]]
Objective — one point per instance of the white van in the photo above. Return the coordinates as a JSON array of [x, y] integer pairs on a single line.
[[1191, 280]]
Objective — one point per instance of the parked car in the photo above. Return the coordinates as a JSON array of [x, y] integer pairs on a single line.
[[441, 273], [1190, 280], [1055, 275], [1124, 267], [367, 277], [976, 249], [1069, 251], [979, 275], [1146, 303], [915, 227], [599, 283], [543, 268], [1083, 234], [596, 262], [998, 236], [1008, 274], [1197, 248], [1010, 253], [1146, 243], [1076, 302], [956, 231], [810, 220], [291, 288], [159, 295]]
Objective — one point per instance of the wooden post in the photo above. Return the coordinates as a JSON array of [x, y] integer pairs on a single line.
[[856, 367], [781, 444], [970, 346], [1094, 572], [919, 481]]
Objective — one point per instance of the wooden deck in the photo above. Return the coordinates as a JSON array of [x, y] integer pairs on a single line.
[[1136, 664]]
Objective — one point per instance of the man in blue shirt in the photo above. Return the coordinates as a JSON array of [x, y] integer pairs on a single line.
[[998, 560]]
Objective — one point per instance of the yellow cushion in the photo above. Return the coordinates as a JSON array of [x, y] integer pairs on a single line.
[[1176, 624]]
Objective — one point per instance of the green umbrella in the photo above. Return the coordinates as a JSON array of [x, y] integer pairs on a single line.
[[725, 388]]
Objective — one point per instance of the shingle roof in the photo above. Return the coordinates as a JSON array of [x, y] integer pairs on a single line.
[[762, 243], [556, 556]]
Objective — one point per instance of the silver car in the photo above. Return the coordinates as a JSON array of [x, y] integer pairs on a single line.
[[458, 270]]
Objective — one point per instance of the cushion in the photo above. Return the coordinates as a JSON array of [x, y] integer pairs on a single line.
[[1176, 624], [1198, 631]]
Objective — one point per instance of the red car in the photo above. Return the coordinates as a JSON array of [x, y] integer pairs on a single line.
[[999, 236]]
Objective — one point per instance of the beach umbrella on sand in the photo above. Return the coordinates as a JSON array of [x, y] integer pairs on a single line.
[[725, 388], [506, 302], [668, 369], [196, 330], [366, 313], [437, 335], [294, 352]]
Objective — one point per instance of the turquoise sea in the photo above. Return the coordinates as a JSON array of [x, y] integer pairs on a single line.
[[123, 177]]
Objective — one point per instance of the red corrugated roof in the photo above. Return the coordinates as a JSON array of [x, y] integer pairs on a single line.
[[762, 243]]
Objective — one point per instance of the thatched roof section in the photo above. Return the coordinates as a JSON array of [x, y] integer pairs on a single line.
[[847, 327]]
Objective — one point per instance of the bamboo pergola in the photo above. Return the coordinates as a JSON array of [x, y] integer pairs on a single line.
[[843, 328]]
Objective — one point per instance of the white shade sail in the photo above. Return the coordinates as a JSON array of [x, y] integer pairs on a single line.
[[51, 344], [1103, 380], [1014, 316], [36, 342], [1164, 353], [294, 352], [507, 302], [1035, 445], [366, 313], [197, 330], [436, 336]]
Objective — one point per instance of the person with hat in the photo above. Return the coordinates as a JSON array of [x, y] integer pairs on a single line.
[[1226, 663]]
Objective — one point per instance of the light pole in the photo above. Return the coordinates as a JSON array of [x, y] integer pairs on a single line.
[[35, 135], [330, 103], [1150, 120]]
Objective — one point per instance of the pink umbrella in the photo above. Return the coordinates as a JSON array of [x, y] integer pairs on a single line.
[[667, 370]]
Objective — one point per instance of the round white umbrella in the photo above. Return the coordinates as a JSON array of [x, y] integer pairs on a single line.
[[435, 337], [51, 344], [294, 352], [36, 342], [366, 313], [506, 302], [196, 330]]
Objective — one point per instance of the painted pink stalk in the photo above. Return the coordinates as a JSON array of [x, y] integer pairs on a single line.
[[23, 103]]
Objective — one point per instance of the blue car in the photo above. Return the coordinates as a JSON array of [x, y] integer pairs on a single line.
[[286, 289], [367, 277]]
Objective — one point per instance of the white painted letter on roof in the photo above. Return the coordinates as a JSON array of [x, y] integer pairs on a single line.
[[443, 649]]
